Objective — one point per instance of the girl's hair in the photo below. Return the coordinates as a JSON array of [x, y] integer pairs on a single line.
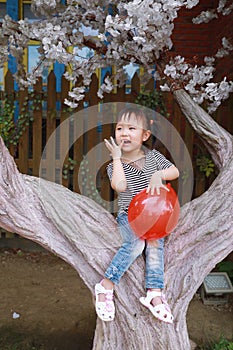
[[140, 115]]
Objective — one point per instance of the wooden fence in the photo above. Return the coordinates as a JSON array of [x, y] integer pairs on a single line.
[[72, 155]]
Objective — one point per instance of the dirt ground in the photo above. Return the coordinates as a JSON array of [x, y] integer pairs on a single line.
[[45, 305]]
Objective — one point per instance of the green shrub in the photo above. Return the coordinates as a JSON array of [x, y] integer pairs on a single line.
[[226, 266], [222, 344]]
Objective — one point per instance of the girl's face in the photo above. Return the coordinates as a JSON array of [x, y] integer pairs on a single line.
[[131, 131]]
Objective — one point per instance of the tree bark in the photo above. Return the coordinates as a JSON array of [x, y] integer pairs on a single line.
[[85, 235]]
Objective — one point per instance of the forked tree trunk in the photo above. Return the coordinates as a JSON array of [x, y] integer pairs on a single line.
[[84, 234]]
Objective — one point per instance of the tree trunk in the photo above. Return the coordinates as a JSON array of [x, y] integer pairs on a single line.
[[84, 234]]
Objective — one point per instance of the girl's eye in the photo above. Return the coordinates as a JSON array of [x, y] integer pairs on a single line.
[[132, 128]]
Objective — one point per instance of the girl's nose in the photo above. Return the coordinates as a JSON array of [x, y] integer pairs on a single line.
[[124, 132]]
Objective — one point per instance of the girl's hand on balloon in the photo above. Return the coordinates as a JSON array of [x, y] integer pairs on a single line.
[[156, 183], [114, 149]]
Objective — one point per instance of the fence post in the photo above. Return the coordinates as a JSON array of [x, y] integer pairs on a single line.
[[24, 139], [50, 161], [9, 89], [65, 131], [37, 129]]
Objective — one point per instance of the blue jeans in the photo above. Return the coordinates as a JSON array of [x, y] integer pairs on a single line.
[[131, 248]]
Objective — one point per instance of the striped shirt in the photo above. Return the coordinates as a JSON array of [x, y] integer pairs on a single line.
[[138, 179]]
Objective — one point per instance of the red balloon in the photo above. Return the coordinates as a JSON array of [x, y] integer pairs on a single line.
[[154, 216]]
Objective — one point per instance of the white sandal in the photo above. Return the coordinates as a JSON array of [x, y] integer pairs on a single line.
[[161, 311], [104, 309]]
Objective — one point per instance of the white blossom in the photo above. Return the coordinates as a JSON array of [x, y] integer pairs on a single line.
[[199, 99], [170, 70], [107, 87], [44, 7], [205, 17], [71, 104], [164, 87], [216, 92], [102, 37], [190, 3], [223, 9], [139, 40], [225, 49], [77, 93], [139, 32], [209, 60]]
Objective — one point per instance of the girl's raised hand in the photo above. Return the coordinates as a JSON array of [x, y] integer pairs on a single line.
[[114, 149]]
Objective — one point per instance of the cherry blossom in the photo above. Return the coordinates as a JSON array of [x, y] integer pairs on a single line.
[[137, 31]]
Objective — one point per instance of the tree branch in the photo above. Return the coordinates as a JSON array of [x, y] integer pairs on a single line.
[[216, 139], [64, 222]]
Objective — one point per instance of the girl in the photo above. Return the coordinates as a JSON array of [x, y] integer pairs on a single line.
[[132, 169]]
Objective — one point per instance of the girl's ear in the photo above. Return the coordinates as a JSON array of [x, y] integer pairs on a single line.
[[146, 135]]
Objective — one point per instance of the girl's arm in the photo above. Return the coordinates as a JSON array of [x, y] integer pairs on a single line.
[[170, 173], [118, 181]]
